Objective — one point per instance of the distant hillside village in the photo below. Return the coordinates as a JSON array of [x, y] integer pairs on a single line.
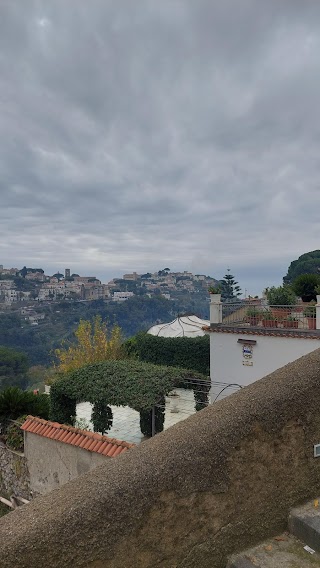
[[33, 285]]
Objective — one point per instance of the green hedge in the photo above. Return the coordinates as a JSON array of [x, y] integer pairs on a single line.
[[122, 383], [185, 352]]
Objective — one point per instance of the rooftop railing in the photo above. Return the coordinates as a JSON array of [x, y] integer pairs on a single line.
[[243, 314]]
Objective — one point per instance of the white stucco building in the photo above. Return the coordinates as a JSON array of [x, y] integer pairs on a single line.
[[243, 351]]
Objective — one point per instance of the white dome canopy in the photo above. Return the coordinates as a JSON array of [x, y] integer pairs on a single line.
[[185, 326]]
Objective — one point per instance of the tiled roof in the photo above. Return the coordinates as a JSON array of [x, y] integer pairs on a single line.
[[84, 439]]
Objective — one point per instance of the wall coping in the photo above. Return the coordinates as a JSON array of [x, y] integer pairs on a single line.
[[276, 332]]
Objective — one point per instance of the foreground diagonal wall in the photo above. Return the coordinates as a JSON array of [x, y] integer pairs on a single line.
[[215, 483]]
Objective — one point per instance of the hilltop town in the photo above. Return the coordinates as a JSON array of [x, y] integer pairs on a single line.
[[32, 285], [38, 311]]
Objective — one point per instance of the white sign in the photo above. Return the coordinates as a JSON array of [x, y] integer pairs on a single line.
[[247, 351]]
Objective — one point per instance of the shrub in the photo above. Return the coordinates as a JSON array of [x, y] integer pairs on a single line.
[[186, 352], [14, 436], [81, 423], [214, 289], [254, 312], [281, 296], [268, 315]]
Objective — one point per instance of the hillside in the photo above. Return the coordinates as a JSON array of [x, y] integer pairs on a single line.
[[60, 320]]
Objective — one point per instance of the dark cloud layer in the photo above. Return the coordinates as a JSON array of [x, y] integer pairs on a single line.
[[136, 135]]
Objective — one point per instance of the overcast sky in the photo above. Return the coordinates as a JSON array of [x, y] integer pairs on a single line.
[[138, 135]]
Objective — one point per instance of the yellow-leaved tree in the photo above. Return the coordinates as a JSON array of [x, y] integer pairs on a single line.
[[93, 344]]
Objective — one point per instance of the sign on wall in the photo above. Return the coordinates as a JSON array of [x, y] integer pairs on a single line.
[[247, 354]]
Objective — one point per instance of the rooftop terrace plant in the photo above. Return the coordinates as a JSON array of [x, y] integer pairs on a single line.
[[310, 311], [214, 289], [268, 315], [254, 311]]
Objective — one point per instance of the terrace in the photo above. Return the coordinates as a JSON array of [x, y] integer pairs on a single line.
[[261, 317], [250, 339]]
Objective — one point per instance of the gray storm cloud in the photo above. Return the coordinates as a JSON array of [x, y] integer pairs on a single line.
[[142, 134]]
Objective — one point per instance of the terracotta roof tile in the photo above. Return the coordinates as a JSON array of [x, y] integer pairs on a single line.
[[91, 441], [97, 446], [61, 435], [46, 430], [52, 433], [36, 427], [77, 439], [102, 448], [68, 438], [91, 447], [41, 429], [117, 452], [83, 442], [111, 451]]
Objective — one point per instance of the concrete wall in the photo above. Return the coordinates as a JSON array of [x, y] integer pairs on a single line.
[[14, 474], [52, 463], [216, 483], [231, 363]]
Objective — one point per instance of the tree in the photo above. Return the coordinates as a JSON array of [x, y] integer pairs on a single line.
[[163, 272], [280, 296], [101, 416], [23, 272], [37, 376], [93, 344], [13, 368], [307, 263], [230, 290], [305, 286]]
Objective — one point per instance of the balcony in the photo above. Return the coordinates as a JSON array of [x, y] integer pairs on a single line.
[[261, 316]]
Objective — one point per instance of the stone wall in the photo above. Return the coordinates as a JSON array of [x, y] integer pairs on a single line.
[[216, 483], [14, 474]]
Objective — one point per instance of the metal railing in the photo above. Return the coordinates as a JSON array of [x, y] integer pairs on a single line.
[[295, 317]]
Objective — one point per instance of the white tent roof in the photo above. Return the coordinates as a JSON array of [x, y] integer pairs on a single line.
[[185, 326]]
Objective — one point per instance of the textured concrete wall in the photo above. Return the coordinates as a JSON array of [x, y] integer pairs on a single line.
[[216, 483], [52, 463], [14, 474], [269, 353]]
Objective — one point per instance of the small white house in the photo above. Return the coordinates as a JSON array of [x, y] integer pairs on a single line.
[[244, 349]]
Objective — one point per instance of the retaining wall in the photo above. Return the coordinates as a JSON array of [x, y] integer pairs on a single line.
[[14, 474], [215, 483]]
